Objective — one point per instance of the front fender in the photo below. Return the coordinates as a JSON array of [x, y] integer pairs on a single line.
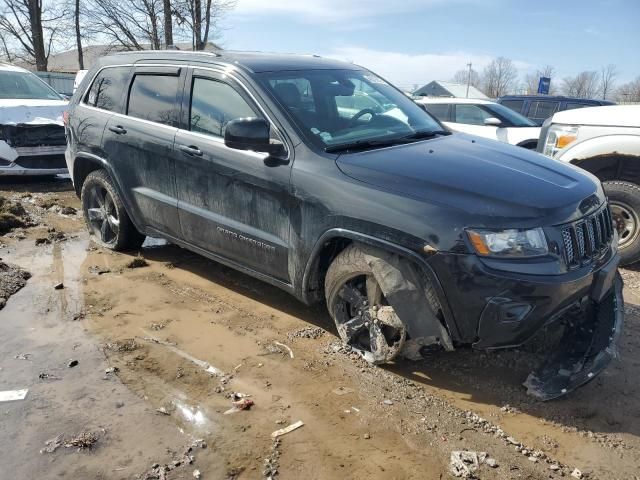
[[620, 144]]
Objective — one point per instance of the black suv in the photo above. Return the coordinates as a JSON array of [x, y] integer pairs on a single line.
[[414, 237], [540, 107]]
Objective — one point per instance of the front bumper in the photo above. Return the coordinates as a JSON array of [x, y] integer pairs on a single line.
[[492, 309], [43, 160]]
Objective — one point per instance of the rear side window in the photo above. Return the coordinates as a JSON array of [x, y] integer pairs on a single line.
[[541, 110], [153, 98], [213, 105], [515, 105], [439, 110], [106, 89]]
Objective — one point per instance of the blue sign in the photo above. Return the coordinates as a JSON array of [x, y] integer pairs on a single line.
[[543, 85]]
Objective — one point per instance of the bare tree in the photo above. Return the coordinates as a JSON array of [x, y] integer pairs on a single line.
[[168, 22], [608, 76], [200, 19], [583, 85], [76, 21], [499, 77], [462, 76], [30, 28], [127, 24], [629, 92]]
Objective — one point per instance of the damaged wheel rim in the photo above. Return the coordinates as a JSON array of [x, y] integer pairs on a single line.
[[102, 215], [366, 322]]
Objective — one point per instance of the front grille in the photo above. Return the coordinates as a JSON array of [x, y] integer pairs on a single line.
[[588, 238], [42, 161]]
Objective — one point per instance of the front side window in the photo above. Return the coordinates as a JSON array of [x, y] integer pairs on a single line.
[[153, 98], [213, 105], [106, 89], [339, 108], [25, 85], [574, 105], [471, 114], [508, 116]]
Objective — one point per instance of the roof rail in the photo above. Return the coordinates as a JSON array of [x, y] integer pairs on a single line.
[[172, 51]]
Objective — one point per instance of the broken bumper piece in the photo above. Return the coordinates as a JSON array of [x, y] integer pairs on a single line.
[[588, 342]]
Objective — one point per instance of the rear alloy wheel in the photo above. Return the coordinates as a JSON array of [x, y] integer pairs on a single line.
[[624, 202], [105, 216], [364, 319]]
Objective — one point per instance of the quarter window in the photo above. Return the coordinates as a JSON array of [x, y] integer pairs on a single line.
[[106, 89], [153, 98], [213, 105]]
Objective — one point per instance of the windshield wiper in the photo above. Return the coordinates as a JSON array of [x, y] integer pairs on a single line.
[[365, 144]]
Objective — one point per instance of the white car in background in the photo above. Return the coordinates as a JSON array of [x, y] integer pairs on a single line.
[[32, 140], [606, 142], [484, 119]]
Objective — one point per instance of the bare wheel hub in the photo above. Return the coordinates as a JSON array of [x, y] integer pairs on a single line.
[[626, 222], [366, 322]]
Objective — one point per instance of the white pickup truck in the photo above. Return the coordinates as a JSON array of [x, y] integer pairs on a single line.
[[606, 142]]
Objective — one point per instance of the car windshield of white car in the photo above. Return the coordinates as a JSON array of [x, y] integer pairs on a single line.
[[23, 85]]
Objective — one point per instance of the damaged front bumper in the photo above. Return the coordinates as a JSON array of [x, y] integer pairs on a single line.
[[496, 310], [588, 344], [27, 149]]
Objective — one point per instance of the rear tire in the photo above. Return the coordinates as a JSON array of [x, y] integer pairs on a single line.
[[105, 215], [624, 202]]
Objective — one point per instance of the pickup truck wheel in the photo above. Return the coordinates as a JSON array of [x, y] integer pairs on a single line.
[[364, 319], [105, 216], [624, 202]]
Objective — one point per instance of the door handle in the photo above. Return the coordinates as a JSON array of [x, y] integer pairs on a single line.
[[191, 150], [118, 130]]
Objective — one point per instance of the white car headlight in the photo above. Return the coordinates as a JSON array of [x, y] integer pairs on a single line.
[[511, 243], [559, 137]]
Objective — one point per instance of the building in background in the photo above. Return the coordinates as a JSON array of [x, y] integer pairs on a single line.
[[439, 88]]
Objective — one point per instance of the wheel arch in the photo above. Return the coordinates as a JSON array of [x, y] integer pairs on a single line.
[[83, 165], [334, 241], [612, 166]]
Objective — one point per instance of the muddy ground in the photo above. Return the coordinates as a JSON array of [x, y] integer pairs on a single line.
[[161, 350]]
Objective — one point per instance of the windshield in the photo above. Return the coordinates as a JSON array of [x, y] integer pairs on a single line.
[[25, 85], [507, 114], [346, 107]]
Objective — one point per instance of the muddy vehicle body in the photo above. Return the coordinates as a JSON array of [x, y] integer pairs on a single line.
[[413, 236]]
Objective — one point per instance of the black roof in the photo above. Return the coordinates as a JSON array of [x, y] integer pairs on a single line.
[[556, 97], [254, 62]]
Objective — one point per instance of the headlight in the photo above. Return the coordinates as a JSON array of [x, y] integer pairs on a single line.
[[558, 137], [512, 243]]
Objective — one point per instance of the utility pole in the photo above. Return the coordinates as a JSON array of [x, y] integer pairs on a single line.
[[468, 78]]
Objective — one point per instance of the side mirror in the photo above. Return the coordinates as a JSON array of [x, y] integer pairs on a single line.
[[247, 134], [252, 133], [492, 122]]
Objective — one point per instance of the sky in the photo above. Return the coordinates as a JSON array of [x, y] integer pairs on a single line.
[[411, 42]]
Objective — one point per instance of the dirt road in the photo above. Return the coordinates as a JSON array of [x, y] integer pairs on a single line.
[[164, 349]]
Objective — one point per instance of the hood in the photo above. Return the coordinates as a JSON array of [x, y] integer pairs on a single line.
[[612, 115], [486, 179], [31, 112]]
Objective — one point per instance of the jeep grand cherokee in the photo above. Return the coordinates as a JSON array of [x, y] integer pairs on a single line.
[[410, 234]]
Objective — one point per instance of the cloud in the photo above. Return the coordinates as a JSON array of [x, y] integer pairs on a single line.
[[337, 10], [406, 70]]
